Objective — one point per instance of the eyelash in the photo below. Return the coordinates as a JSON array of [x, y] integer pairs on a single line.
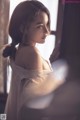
[[40, 26]]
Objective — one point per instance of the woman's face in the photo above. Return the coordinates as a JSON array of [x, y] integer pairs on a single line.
[[39, 29]]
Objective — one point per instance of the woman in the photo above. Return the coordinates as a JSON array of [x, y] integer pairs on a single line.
[[32, 76]]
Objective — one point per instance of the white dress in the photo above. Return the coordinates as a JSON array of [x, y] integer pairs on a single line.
[[27, 88]]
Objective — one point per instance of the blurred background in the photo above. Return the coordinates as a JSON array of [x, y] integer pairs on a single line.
[[65, 29]]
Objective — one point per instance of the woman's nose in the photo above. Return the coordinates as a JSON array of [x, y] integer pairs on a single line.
[[46, 30]]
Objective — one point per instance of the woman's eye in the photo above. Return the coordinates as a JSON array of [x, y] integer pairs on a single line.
[[40, 26]]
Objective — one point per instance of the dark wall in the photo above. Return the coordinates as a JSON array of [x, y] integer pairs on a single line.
[[70, 43], [3, 99], [71, 31]]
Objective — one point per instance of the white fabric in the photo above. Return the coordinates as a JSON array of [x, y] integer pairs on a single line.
[[27, 88]]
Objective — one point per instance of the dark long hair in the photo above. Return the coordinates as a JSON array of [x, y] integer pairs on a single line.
[[24, 13]]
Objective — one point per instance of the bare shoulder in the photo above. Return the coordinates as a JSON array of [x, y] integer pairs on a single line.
[[29, 58]]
